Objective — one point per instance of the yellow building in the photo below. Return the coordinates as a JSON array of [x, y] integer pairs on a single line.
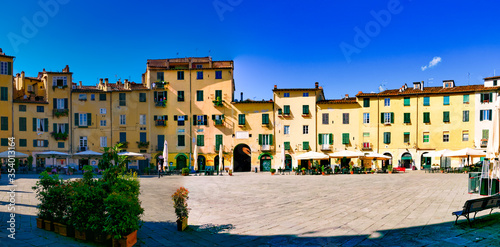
[[6, 93]]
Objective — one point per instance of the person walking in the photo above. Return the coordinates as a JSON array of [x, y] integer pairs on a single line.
[[159, 170]]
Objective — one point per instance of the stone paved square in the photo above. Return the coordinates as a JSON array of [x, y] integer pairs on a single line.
[[248, 209]]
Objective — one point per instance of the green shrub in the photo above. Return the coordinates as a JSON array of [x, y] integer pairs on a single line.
[[273, 170], [185, 171]]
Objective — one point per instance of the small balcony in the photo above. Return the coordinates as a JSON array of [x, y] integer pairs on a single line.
[[218, 122], [484, 143], [265, 148], [161, 123], [325, 147], [82, 148], [59, 136], [60, 112], [162, 103], [142, 144], [160, 85], [218, 102], [366, 146]]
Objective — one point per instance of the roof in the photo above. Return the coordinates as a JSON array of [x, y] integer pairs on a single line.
[[27, 101], [492, 78], [6, 56], [248, 101], [350, 100], [120, 88], [164, 63], [296, 89], [430, 90]]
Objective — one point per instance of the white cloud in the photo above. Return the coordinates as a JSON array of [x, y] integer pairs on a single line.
[[432, 63]]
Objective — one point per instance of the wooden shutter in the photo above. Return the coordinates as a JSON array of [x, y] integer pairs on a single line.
[[331, 139], [54, 103], [46, 125], [260, 139], [392, 117], [45, 143], [382, 118], [481, 115], [34, 124], [77, 119], [54, 127], [205, 120], [66, 103], [195, 120], [89, 119], [320, 139], [66, 128], [270, 139], [9, 68], [34, 143]]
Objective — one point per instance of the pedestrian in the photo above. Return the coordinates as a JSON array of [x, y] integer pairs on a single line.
[[159, 170]]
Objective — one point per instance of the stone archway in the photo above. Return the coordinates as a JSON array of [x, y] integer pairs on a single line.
[[388, 162], [265, 163], [288, 161], [202, 162], [406, 160], [181, 161], [425, 161], [242, 158]]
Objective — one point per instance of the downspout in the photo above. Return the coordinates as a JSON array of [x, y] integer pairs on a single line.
[[190, 114], [378, 124]]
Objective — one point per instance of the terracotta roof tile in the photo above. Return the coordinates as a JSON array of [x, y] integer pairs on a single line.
[[430, 90], [252, 102], [350, 100]]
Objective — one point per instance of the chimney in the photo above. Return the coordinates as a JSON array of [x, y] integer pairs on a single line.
[[80, 83], [275, 86], [66, 69], [100, 81], [316, 85], [422, 86], [106, 81], [346, 96], [1, 52], [416, 85], [241, 98]]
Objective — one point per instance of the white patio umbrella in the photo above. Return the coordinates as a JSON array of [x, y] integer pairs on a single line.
[[466, 153], [493, 148], [54, 154], [439, 153], [220, 159], [375, 156], [195, 157], [347, 154], [14, 154], [165, 156], [132, 155], [311, 155], [283, 156], [88, 153]]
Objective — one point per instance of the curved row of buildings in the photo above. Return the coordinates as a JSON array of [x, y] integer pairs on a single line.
[[190, 103]]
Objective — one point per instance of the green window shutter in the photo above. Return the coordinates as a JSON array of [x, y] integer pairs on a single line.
[[446, 116], [305, 109], [5, 123], [331, 139], [195, 119], [22, 124], [287, 109], [9, 68], [382, 118], [280, 111], [260, 139], [320, 139], [490, 114], [406, 101], [66, 128], [34, 143], [218, 94], [392, 117], [89, 119], [270, 139], [491, 97], [77, 119], [54, 103], [34, 124], [54, 126], [345, 138], [241, 119], [366, 102], [46, 125], [427, 118], [305, 145], [481, 115], [406, 117], [287, 145], [45, 143]]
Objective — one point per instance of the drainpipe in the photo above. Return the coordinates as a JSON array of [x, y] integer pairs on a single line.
[[378, 124], [189, 122]]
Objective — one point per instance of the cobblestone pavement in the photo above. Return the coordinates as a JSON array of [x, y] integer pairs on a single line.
[[248, 209]]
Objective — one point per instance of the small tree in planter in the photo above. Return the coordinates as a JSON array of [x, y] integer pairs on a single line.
[[47, 202], [273, 171], [181, 208], [185, 171]]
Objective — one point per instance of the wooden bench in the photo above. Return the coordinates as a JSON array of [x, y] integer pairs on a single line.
[[477, 205]]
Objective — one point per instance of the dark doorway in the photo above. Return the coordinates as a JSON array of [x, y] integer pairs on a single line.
[[288, 161], [426, 162], [265, 163], [242, 158], [387, 163], [406, 160], [181, 162], [82, 163], [143, 164], [216, 163], [201, 162], [344, 163], [304, 164]]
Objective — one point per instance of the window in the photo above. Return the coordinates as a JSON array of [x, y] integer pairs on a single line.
[[465, 136], [83, 143], [427, 117], [265, 118], [199, 66], [446, 136], [4, 142], [305, 94], [102, 111], [241, 119], [366, 134], [60, 145], [465, 116], [286, 129], [59, 81], [406, 137], [305, 145], [199, 75], [5, 68], [345, 118], [4, 93], [123, 136], [160, 141], [40, 108], [180, 96], [92, 97], [82, 119], [446, 100], [486, 134], [305, 129], [387, 117], [142, 137], [446, 116], [366, 118], [265, 140], [345, 138], [181, 141], [387, 102], [122, 97], [218, 142], [104, 141], [82, 97], [427, 101], [387, 137], [39, 124], [325, 139], [61, 128], [486, 97], [180, 75], [23, 142], [60, 103], [102, 97], [123, 120], [325, 118], [22, 108], [199, 95], [180, 120], [218, 94], [287, 145], [305, 110], [103, 123], [466, 99], [406, 101], [142, 119], [485, 115], [142, 97], [407, 118], [200, 120], [426, 137], [4, 122], [286, 95], [218, 74], [200, 140], [366, 102], [22, 124], [494, 83], [160, 76], [286, 109]]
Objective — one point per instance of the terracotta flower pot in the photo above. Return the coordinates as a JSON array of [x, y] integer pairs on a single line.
[[390, 172], [66, 230], [39, 223], [352, 172], [127, 241], [56, 227], [49, 225], [272, 173], [182, 224], [80, 235], [323, 173]]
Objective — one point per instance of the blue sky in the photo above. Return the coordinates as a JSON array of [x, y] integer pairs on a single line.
[[291, 44]]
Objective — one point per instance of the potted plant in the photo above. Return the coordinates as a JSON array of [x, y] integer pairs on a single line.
[[273, 171], [323, 170], [350, 167], [180, 198], [303, 171], [389, 169], [123, 217], [230, 172], [48, 201], [185, 171]]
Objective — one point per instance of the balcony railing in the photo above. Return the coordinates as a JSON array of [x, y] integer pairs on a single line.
[[161, 123], [484, 143], [266, 148], [161, 103], [366, 146], [325, 147], [60, 112], [218, 122], [82, 148]]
